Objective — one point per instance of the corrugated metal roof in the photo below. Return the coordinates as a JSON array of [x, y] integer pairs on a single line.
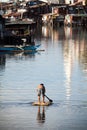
[[53, 1]]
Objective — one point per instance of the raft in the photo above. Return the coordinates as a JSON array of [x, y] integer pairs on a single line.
[[41, 103]]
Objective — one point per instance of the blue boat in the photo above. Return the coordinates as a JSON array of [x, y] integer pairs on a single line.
[[30, 47], [13, 49]]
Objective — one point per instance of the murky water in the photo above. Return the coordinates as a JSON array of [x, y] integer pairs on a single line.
[[62, 67]]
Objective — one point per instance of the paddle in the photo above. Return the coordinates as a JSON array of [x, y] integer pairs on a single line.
[[41, 50], [48, 98]]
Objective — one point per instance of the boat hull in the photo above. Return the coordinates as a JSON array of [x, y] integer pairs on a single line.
[[7, 49], [32, 47], [27, 48]]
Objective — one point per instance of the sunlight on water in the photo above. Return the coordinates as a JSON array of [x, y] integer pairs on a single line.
[[62, 67]]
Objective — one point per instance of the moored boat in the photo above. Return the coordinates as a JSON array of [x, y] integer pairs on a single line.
[[30, 47], [13, 48]]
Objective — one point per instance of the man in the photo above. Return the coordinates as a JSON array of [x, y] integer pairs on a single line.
[[41, 91]]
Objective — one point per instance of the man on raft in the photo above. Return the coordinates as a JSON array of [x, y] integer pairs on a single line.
[[41, 92]]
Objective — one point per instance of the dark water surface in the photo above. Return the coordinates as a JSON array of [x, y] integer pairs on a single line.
[[62, 67]]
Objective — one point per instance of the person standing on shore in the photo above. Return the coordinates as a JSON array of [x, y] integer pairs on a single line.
[[41, 92]]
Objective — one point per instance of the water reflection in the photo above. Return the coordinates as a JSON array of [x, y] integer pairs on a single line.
[[73, 43], [68, 62], [47, 31], [74, 51], [16, 56], [41, 114], [68, 32], [62, 68], [53, 34], [2, 61]]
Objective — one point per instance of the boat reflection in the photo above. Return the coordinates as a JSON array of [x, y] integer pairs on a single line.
[[41, 114], [17, 56], [18, 53]]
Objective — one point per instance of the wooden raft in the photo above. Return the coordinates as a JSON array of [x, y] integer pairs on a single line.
[[41, 103]]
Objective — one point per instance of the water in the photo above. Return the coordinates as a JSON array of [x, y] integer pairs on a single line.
[[62, 67]]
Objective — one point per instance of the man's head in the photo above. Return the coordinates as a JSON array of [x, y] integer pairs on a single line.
[[42, 84]]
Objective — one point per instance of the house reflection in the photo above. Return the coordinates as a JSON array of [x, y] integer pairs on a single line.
[[47, 31], [68, 60], [74, 47], [2, 61], [41, 114]]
